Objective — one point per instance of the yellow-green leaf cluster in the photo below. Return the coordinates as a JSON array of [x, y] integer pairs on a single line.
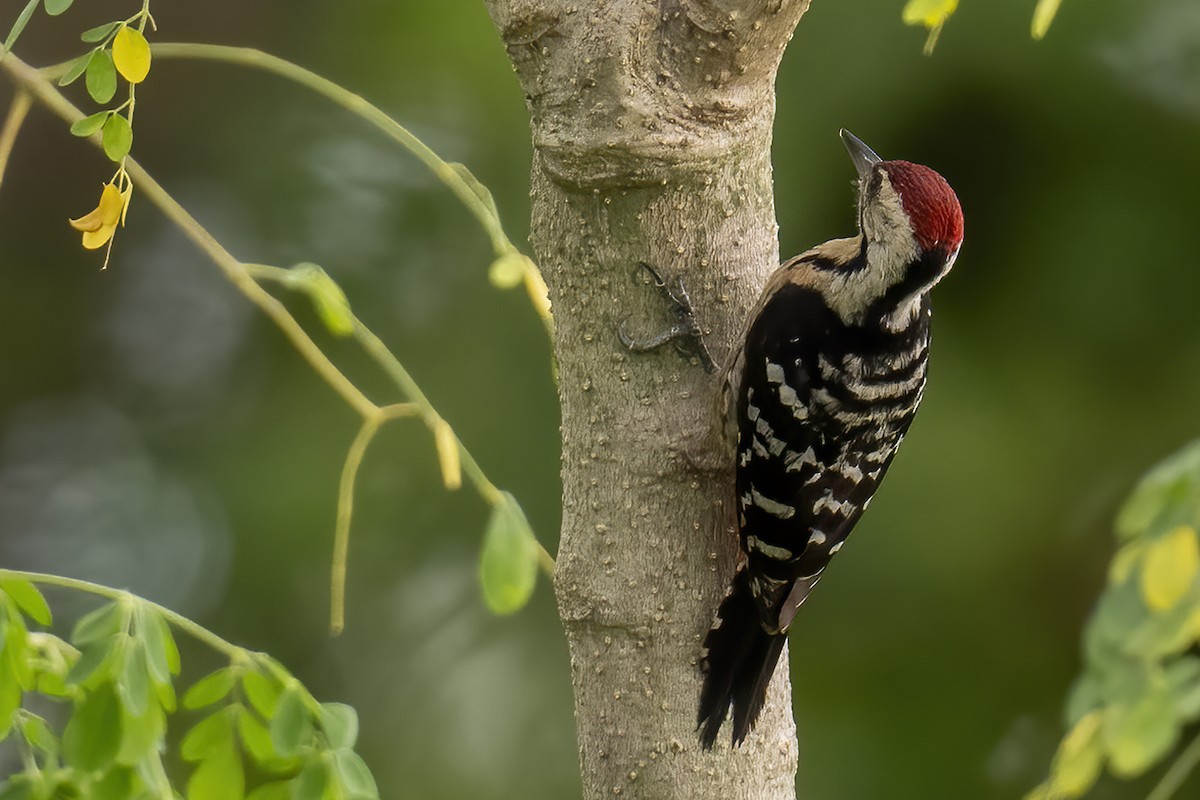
[[1043, 15], [1141, 682], [930, 13]]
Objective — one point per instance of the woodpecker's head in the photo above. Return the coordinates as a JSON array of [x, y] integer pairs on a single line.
[[907, 212]]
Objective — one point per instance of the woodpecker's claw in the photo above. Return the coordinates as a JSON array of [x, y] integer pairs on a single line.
[[685, 333]]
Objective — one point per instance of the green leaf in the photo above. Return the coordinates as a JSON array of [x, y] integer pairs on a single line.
[[16, 649], [1118, 614], [56, 7], [354, 776], [276, 790], [262, 691], [142, 735], [1171, 484], [208, 736], [327, 297], [38, 734], [1163, 634], [256, 739], [19, 25], [219, 777], [340, 724], [209, 689], [166, 696], [310, 783], [508, 564], [162, 654], [116, 785], [291, 726], [10, 696], [89, 125], [19, 787], [28, 599], [133, 683], [103, 623], [98, 33], [117, 138], [74, 70], [1183, 676], [1085, 696], [101, 77], [95, 665], [1138, 733], [93, 735]]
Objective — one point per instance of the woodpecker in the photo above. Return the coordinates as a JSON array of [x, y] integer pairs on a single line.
[[823, 386]]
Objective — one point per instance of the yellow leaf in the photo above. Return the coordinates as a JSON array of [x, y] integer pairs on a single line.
[[131, 54], [1043, 15], [1079, 758], [930, 13], [99, 224], [1170, 567], [448, 457]]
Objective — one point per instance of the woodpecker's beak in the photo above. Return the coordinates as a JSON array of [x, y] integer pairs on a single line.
[[864, 158]]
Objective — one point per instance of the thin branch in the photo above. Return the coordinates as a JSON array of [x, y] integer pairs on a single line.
[[418, 401], [181, 622], [1178, 773], [36, 84], [341, 536], [356, 104], [12, 126]]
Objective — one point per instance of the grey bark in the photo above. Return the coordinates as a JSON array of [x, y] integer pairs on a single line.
[[651, 126]]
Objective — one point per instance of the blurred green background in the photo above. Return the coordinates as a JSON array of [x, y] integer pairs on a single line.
[[157, 434]]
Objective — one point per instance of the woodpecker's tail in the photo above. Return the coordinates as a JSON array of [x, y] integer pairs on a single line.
[[739, 661]]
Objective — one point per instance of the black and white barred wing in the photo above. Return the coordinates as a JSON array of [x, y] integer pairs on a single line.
[[808, 463]]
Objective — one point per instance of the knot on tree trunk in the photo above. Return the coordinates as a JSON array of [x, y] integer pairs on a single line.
[[628, 93]]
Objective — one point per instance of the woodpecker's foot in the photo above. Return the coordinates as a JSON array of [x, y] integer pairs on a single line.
[[684, 334]]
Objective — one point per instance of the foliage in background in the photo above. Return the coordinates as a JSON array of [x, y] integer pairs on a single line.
[[251, 725], [508, 563], [118, 669], [1140, 685], [933, 14]]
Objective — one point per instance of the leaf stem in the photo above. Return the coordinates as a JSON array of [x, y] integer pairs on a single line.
[[36, 84], [33, 83], [181, 622], [356, 104], [1178, 773], [341, 536], [17, 112]]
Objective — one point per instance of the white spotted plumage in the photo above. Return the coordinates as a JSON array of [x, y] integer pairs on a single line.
[[828, 375]]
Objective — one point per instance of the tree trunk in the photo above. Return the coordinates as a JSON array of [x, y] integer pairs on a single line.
[[652, 129]]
